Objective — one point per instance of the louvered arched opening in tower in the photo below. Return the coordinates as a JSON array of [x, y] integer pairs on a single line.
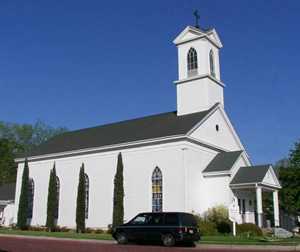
[[212, 63], [192, 62]]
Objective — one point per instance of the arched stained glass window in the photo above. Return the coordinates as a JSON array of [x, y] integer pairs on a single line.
[[212, 63], [30, 198], [57, 197], [157, 200], [192, 62], [87, 189]]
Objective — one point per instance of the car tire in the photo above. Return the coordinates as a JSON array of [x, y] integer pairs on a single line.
[[121, 238], [191, 244], [168, 240]]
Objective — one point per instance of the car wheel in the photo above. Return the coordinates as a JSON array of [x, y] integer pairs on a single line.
[[191, 244], [121, 238], [168, 240]]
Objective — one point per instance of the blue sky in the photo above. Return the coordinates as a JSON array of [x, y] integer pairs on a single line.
[[85, 63]]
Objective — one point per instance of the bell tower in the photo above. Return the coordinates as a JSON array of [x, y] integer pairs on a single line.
[[199, 84]]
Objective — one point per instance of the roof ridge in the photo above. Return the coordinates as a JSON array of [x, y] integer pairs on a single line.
[[256, 166], [140, 118], [118, 122]]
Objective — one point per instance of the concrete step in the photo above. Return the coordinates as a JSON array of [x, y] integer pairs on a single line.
[[282, 233]]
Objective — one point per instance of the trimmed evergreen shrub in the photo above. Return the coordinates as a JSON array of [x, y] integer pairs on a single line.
[[224, 227], [99, 231], [249, 229], [80, 208], [52, 201], [206, 227], [37, 228], [217, 214], [118, 198], [23, 201]]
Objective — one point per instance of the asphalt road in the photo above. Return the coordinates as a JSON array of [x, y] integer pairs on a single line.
[[25, 244]]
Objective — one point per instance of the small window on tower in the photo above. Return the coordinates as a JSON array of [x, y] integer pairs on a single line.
[[212, 63], [217, 127], [192, 62]]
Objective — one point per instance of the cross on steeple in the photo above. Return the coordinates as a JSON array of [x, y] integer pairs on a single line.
[[197, 17]]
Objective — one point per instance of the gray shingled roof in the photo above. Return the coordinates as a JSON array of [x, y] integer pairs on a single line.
[[155, 126], [7, 192], [250, 174], [223, 161]]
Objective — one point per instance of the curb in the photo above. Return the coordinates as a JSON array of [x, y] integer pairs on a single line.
[[198, 246], [250, 247]]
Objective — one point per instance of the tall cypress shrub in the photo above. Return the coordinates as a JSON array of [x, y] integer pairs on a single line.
[[23, 201], [118, 198], [80, 208], [52, 201]]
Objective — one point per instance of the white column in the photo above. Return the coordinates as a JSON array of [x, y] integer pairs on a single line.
[[276, 208], [185, 180], [259, 206]]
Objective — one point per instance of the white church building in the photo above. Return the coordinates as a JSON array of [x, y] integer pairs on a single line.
[[187, 160]]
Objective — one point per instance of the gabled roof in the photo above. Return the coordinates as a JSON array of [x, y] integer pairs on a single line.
[[150, 127], [191, 33], [223, 161], [7, 192], [250, 174]]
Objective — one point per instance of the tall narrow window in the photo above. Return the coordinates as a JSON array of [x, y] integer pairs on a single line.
[[87, 189], [212, 63], [192, 62], [157, 200], [30, 198], [57, 197]]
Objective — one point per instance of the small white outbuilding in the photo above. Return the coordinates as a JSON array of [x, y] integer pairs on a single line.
[[7, 206]]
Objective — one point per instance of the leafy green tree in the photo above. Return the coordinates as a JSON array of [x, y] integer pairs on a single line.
[[23, 201], [52, 202], [290, 181], [8, 168], [28, 136], [295, 156], [80, 207], [118, 198], [21, 139]]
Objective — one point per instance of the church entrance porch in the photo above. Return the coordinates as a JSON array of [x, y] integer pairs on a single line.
[[252, 204], [248, 186]]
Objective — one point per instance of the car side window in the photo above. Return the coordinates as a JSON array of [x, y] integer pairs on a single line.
[[139, 220], [156, 219], [171, 219]]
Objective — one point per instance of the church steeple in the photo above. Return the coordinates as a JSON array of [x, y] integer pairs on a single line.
[[199, 83]]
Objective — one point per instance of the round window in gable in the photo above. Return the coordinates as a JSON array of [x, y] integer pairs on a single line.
[[217, 127]]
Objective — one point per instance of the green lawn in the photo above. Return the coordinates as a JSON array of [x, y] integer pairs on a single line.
[[204, 240], [248, 241], [71, 235]]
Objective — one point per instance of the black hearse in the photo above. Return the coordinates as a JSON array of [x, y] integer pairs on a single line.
[[165, 227]]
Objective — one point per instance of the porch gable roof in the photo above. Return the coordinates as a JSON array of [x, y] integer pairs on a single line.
[[260, 174]]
